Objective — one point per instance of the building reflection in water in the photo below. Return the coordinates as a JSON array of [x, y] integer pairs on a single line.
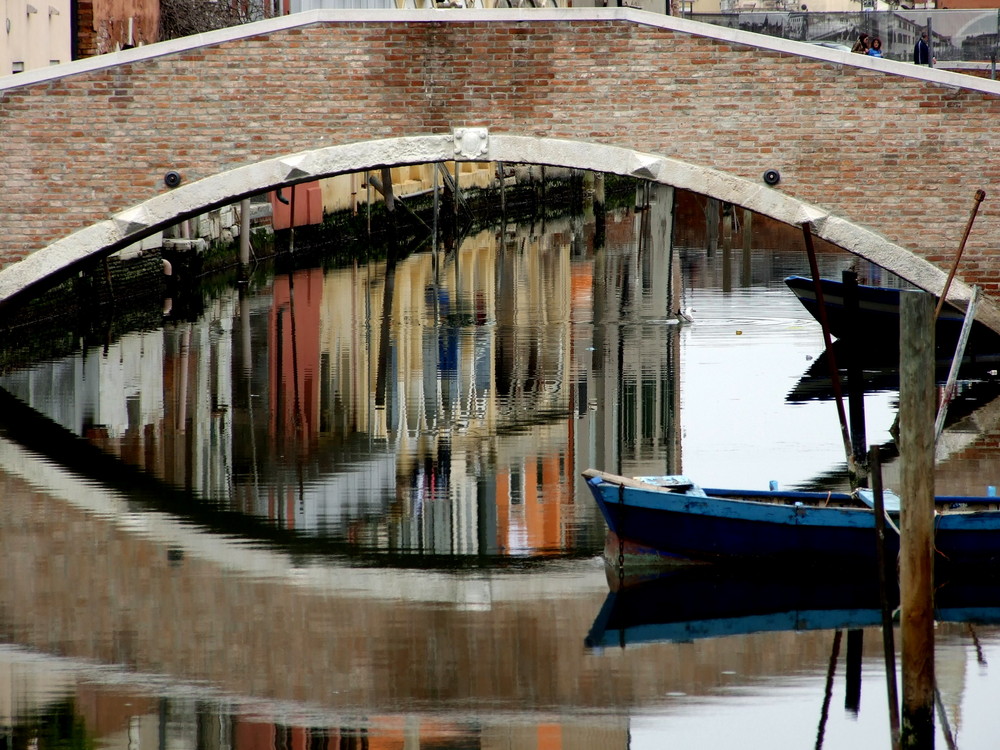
[[514, 362]]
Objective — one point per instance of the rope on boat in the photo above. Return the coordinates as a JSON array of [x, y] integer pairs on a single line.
[[888, 520]]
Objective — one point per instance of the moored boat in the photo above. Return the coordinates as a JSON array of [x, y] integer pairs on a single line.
[[670, 520], [877, 325]]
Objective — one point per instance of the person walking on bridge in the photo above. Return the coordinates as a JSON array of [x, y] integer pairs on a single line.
[[922, 51], [861, 45]]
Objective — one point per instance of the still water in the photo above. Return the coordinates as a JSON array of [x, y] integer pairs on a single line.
[[341, 507]]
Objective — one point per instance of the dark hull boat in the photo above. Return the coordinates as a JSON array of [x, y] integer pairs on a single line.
[[877, 326]]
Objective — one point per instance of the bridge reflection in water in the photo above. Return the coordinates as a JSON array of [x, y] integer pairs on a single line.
[[297, 567]]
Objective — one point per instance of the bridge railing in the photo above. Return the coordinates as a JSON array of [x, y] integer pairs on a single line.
[[955, 35], [303, 5]]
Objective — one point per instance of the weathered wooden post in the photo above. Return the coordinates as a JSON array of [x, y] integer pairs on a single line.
[[916, 448], [728, 217], [747, 229], [599, 210], [855, 375], [747, 269], [503, 193], [244, 235], [437, 208], [388, 292], [888, 645], [852, 691], [712, 224], [390, 199]]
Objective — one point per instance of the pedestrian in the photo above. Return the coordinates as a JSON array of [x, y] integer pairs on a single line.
[[861, 45], [922, 51], [876, 49]]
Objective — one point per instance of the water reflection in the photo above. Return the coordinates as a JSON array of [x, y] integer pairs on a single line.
[[504, 365], [249, 550], [513, 362], [685, 605]]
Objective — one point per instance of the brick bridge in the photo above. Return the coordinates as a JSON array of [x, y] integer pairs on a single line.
[[881, 158]]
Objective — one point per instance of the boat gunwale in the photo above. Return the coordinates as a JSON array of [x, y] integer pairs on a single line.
[[788, 498]]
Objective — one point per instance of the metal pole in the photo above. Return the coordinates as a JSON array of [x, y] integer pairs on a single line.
[[979, 197], [956, 362]]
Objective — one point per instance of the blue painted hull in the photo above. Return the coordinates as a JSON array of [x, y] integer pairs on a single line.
[[737, 526]]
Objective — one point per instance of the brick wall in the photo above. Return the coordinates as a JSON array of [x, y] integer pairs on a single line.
[[900, 154]]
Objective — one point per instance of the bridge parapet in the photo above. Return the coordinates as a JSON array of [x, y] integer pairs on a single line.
[[885, 156]]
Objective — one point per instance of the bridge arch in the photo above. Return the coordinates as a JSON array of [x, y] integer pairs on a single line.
[[466, 144], [891, 146]]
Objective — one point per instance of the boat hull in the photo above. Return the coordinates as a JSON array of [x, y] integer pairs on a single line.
[[653, 527], [878, 316]]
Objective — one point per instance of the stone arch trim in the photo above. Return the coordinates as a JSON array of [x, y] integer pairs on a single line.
[[473, 144]]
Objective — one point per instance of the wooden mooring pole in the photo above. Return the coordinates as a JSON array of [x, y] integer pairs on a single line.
[[888, 640], [746, 272], [388, 291], [855, 376], [831, 358], [916, 447]]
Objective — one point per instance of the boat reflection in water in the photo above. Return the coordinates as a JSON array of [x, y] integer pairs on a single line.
[[695, 605], [705, 602], [688, 604]]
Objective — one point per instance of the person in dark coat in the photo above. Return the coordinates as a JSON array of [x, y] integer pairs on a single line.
[[922, 50], [861, 45]]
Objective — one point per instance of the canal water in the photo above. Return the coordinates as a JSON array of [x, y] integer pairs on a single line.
[[341, 507]]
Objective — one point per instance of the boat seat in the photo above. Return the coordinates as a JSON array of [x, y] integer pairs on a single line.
[[673, 483], [667, 483]]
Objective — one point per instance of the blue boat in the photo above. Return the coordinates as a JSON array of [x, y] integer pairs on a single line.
[[669, 520]]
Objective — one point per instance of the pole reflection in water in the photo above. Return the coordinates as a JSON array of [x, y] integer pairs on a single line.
[[295, 565]]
